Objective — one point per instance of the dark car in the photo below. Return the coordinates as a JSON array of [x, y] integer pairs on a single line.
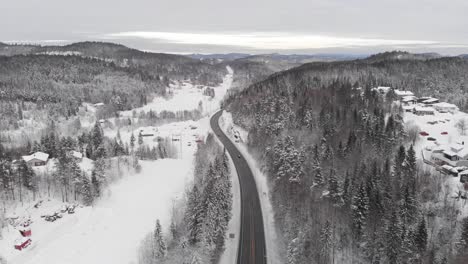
[[431, 139], [239, 156]]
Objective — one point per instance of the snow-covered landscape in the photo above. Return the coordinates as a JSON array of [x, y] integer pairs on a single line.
[[111, 230]]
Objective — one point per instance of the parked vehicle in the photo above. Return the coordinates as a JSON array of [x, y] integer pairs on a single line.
[[431, 139], [423, 133], [444, 133]]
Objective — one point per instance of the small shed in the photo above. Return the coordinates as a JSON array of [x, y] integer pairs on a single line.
[[25, 231], [430, 101], [401, 93]]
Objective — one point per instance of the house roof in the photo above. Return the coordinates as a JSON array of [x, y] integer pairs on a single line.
[[430, 100], [449, 152], [445, 105], [403, 93], [77, 154], [38, 155], [463, 173], [424, 109], [408, 98]]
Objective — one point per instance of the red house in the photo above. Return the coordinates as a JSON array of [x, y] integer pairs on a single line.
[[22, 243], [25, 231]]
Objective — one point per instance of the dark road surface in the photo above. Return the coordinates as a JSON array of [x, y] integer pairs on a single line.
[[252, 237]]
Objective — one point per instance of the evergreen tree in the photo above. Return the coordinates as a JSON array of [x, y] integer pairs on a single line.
[[360, 209], [326, 240], [86, 190], [393, 234], [464, 234], [194, 216], [132, 142], [159, 246], [421, 236], [334, 189]]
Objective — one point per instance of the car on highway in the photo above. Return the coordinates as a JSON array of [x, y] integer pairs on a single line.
[[239, 156]]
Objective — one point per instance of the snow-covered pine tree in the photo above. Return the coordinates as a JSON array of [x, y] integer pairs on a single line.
[[393, 235], [360, 209], [132, 142], [421, 236], [326, 241], [159, 246], [334, 189], [194, 216], [86, 190]]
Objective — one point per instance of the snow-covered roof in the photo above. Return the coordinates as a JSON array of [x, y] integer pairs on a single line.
[[403, 93], [99, 104], [445, 105], [384, 89], [408, 98], [430, 100], [408, 107], [38, 155], [463, 173], [424, 109], [77, 154], [449, 152], [456, 147]]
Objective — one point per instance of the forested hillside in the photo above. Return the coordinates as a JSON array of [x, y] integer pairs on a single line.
[[154, 64], [346, 186], [59, 84]]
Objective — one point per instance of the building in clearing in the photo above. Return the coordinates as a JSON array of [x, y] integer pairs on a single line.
[[382, 89], [430, 101], [455, 155], [409, 100], [418, 110], [36, 159], [444, 107], [400, 94], [77, 155]]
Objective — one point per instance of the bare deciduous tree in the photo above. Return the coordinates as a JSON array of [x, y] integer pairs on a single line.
[[462, 126]]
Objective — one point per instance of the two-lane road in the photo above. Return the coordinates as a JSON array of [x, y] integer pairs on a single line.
[[252, 237]]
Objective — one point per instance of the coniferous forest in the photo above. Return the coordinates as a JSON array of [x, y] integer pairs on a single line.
[[345, 183]]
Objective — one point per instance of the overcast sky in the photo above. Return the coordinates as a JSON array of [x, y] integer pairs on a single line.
[[253, 26]]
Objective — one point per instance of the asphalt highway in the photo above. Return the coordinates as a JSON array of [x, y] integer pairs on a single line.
[[252, 248]]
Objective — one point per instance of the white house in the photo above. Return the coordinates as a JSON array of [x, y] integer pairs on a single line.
[[430, 101], [444, 107], [36, 159], [455, 155], [419, 110], [408, 100], [382, 89], [401, 94]]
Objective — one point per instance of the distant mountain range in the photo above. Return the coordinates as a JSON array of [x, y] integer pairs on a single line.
[[291, 58]]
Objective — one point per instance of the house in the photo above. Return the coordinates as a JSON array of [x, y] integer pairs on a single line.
[[36, 159], [419, 110], [98, 105], [444, 107], [147, 131], [25, 231], [455, 155], [22, 243], [408, 108], [430, 101], [400, 94], [408, 100], [382, 89]]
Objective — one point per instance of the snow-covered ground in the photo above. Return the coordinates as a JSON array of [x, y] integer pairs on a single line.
[[187, 96], [229, 128], [109, 232], [446, 123]]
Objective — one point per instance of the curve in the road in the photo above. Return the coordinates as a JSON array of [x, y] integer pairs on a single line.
[[252, 249]]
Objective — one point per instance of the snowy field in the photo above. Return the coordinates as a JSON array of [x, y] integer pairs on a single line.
[[109, 232], [187, 96]]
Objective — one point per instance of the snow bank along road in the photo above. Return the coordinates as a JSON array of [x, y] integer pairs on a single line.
[[252, 248]]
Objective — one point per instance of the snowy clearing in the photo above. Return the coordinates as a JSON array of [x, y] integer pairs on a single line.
[[187, 96], [91, 235]]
